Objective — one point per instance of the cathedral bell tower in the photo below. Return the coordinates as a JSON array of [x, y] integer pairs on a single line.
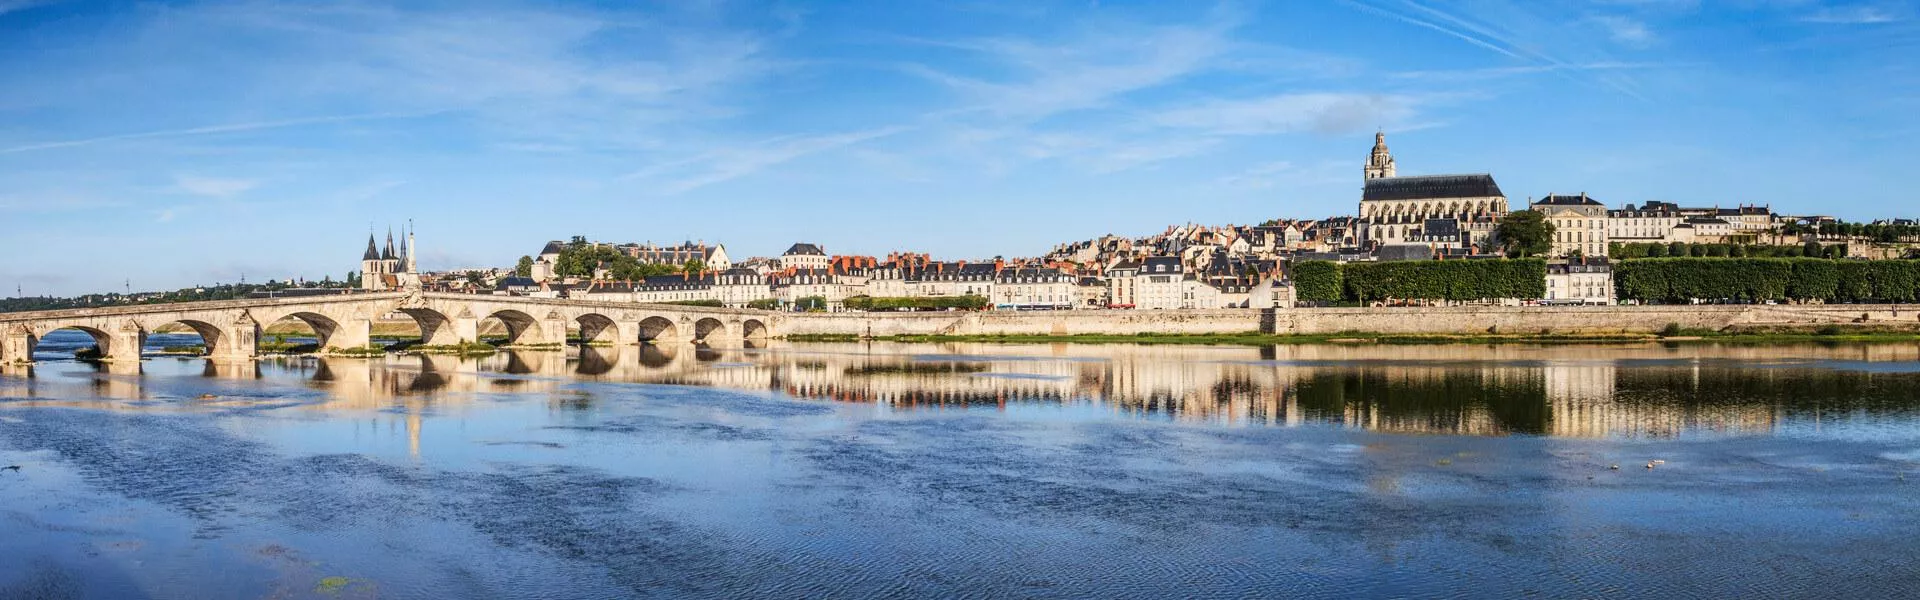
[[1380, 163]]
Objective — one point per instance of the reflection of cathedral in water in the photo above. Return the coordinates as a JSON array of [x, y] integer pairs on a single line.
[[1584, 391]]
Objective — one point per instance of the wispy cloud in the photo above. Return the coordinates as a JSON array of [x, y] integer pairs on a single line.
[[1494, 28], [1466, 32], [736, 161], [1085, 72], [1292, 113], [1853, 15], [213, 187], [7, 6], [1625, 31], [1276, 173], [1457, 75], [207, 130]]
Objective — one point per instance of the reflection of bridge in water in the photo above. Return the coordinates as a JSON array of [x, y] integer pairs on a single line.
[[1571, 391]]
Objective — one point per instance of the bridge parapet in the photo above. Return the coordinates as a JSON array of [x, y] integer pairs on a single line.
[[232, 328]]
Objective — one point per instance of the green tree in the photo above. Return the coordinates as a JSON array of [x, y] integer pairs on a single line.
[[1525, 233], [1317, 281], [811, 304], [524, 268], [694, 265], [1656, 250]]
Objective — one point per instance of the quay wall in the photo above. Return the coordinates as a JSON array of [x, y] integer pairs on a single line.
[[1065, 322], [1390, 320]]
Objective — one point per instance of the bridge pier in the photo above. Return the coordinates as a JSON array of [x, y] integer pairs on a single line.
[[16, 347], [465, 328], [441, 335], [241, 342], [353, 334], [125, 343], [552, 330]]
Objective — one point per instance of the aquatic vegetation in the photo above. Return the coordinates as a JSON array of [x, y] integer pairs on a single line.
[[362, 352], [332, 585], [460, 349]]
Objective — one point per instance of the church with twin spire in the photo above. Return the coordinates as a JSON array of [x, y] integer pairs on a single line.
[[384, 269]]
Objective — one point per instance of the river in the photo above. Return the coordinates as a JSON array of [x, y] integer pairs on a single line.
[[969, 471]]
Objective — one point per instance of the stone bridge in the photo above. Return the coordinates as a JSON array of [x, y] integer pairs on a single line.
[[232, 328]]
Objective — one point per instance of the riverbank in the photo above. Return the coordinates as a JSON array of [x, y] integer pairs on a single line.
[[1356, 337]]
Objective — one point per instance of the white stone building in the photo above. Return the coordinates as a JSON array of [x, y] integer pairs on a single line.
[[804, 256], [1579, 224], [1580, 281], [1033, 289]]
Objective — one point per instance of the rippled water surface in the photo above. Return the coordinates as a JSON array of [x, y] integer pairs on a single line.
[[963, 470]]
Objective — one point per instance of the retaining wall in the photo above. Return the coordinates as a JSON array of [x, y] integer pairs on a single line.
[[1438, 320]]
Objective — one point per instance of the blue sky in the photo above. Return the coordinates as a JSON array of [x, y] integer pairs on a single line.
[[183, 143]]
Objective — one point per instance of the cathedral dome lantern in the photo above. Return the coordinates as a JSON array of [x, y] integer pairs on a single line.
[[1380, 162]]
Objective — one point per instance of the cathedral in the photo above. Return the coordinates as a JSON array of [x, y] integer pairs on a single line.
[[385, 269], [1440, 211]]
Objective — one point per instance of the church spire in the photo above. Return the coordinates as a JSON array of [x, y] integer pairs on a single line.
[[411, 266], [373, 252], [387, 254], [1380, 162]]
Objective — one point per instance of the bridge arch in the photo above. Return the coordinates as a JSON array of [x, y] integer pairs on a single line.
[[709, 329], [212, 337], [658, 329], [323, 326], [101, 339], [596, 328], [436, 329], [754, 330], [518, 324]]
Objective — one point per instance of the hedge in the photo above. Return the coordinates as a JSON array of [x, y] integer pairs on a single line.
[[871, 303], [1317, 281], [1760, 279], [705, 302], [1456, 280]]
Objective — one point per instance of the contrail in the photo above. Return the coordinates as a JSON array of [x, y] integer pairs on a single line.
[[232, 127]]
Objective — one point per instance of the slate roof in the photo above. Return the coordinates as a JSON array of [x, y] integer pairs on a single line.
[[553, 247], [1449, 228], [805, 249], [1565, 200], [1393, 252], [1161, 264], [1423, 187], [373, 251]]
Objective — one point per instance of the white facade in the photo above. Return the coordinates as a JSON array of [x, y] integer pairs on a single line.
[[1578, 281]]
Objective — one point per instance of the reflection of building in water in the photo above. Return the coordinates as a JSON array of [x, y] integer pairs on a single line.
[[1416, 389], [1574, 391]]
